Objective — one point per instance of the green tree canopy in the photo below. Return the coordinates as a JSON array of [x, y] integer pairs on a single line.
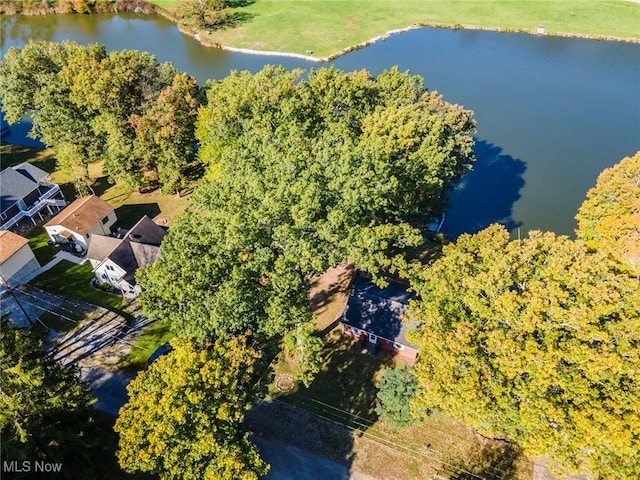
[[536, 341], [396, 389], [90, 105], [182, 420], [303, 174], [609, 219], [203, 13], [44, 411]]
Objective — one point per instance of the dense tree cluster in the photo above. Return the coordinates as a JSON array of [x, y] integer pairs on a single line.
[[536, 341], [45, 414], [396, 390], [203, 13], [89, 105], [183, 417], [303, 174], [609, 219]]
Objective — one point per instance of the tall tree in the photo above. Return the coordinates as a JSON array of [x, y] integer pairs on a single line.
[[182, 420], [86, 104], [204, 13], [609, 219], [45, 413], [303, 174], [165, 133], [117, 87], [30, 82], [536, 341], [396, 390]]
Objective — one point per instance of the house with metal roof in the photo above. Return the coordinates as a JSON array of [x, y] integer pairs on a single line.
[[25, 192], [376, 316], [85, 216], [115, 260]]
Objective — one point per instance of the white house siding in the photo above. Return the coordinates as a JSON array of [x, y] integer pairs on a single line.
[[19, 265], [109, 272], [105, 228], [55, 232], [99, 228]]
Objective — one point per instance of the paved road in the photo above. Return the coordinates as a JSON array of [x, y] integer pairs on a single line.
[[109, 386], [291, 463]]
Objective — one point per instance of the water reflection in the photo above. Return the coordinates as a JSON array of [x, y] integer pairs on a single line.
[[20, 29], [487, 194]]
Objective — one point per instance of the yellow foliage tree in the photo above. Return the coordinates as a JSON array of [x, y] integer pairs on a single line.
[[609, 219], [536, 341], [182, 420]]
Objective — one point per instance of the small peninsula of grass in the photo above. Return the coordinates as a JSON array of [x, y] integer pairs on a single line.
[[323, 28]]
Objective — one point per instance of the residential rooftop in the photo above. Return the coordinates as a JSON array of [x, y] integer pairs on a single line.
[[379, 310], [82, 215], [10, 243]]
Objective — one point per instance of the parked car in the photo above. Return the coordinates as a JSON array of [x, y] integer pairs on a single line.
[[161, 350]]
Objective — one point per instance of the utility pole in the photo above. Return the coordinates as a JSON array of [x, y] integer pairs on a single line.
[[10, 290]]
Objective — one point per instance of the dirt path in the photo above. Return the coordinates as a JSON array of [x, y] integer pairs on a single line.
[[328, 295]]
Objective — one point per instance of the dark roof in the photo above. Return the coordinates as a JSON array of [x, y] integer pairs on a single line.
[[31, 172], [379, 310], [139, 247], [14, 186]]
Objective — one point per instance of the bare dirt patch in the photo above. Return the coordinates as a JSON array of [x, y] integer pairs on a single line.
[[329, 294], [285, 383]]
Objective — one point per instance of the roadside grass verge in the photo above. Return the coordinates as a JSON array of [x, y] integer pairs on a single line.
[[325, 27], [148, 341], [344, 393], [73, 281]]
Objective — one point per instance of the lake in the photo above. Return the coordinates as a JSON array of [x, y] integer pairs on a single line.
[[552, 112]]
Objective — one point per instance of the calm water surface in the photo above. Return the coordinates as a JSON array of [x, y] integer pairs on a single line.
[[552, 112]]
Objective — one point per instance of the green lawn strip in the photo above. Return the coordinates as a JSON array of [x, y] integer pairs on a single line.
[[345, 392], [347, 381], [148, 341], [326, 27], [38, 239], [73, 281]]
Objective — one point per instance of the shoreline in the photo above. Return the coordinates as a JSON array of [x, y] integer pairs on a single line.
[[145, 8], [310, 58]]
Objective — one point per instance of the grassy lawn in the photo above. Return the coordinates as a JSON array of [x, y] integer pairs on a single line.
[[73, 281], [325, 27], [130, 205], [38, 239], [328, 295], [150, 339], [345, 392]]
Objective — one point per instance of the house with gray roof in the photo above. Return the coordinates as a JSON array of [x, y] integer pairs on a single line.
[[375, 316], [25, 191], [115, 259]]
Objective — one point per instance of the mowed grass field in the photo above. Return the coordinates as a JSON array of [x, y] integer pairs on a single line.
[[324, 27]]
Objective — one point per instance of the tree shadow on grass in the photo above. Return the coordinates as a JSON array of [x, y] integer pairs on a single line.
[[487, 194], [128, 215], [321, 418], [101, 185], [339, 283], [498, 462], [345, 389]]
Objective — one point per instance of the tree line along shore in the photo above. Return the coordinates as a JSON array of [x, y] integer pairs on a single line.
[[269, 26]]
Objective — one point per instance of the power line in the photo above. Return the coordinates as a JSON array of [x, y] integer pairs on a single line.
[[499, 473], [390, 443]]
